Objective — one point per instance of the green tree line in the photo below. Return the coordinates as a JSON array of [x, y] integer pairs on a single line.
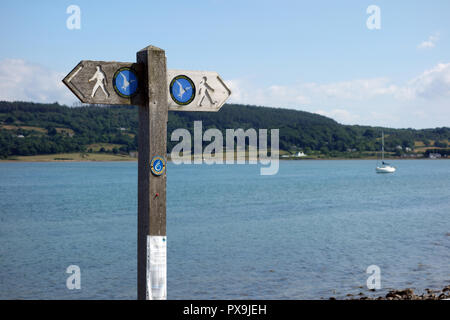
[[299, 130]]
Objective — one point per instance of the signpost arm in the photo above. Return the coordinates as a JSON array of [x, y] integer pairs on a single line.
[[153, 114]]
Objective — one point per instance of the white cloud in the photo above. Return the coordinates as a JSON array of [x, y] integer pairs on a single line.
[[432, 84], [373, 101], [24, 81], [303, 94], [420, 102], [430, 43]]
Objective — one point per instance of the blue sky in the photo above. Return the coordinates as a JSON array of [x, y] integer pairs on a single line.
[[317, 56]]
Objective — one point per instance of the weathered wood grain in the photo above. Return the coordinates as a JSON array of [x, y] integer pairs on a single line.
[[153, 116], [78, 82], [219, 95]]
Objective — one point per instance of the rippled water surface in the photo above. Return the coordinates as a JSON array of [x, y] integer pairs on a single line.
[[308, 232]]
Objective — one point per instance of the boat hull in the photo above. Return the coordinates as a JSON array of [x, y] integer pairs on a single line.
[[385, 169]]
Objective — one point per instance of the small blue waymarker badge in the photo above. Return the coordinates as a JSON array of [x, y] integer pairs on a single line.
[[182, 90], [158, 165], [125, 82]]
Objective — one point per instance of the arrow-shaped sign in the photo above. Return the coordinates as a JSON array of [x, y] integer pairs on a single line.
[[101, 82], [196, 90]]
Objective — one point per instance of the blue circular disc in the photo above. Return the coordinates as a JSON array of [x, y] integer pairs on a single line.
[[158, 165], [182, 90], [125, 82]]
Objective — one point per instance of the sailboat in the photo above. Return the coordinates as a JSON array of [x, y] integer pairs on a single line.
[[385, 167]]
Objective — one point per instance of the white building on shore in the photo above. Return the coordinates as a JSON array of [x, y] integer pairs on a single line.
[[300, 154]]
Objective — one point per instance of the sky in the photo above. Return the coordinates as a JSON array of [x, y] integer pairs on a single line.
[[317, 56]]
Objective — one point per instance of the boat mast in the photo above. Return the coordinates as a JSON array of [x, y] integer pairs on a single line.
[[382, 146]]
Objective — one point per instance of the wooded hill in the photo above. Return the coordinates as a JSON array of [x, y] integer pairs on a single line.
[[32, 128]]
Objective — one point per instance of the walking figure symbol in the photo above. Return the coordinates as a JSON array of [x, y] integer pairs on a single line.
[[203, 92], [99, 75]]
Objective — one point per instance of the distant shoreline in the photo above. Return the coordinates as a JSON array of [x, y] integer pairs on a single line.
[[107, 157], [71, 157]]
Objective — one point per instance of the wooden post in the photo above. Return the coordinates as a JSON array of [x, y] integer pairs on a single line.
[[152, 142], [145, 84]]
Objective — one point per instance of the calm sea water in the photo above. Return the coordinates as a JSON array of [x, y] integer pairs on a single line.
[[308, 232]]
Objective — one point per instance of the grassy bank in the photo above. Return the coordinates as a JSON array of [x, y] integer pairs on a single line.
[[81, 157], [67, 157]]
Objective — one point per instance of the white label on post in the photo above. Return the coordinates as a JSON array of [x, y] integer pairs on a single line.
[[156, 268]]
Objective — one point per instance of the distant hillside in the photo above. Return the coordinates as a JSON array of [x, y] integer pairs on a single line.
[[31, 128]]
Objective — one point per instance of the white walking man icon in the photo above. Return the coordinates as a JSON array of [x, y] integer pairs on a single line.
[[100, 77], [203, 92]]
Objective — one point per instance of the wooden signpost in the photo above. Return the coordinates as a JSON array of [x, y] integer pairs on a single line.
[[155, 90]]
